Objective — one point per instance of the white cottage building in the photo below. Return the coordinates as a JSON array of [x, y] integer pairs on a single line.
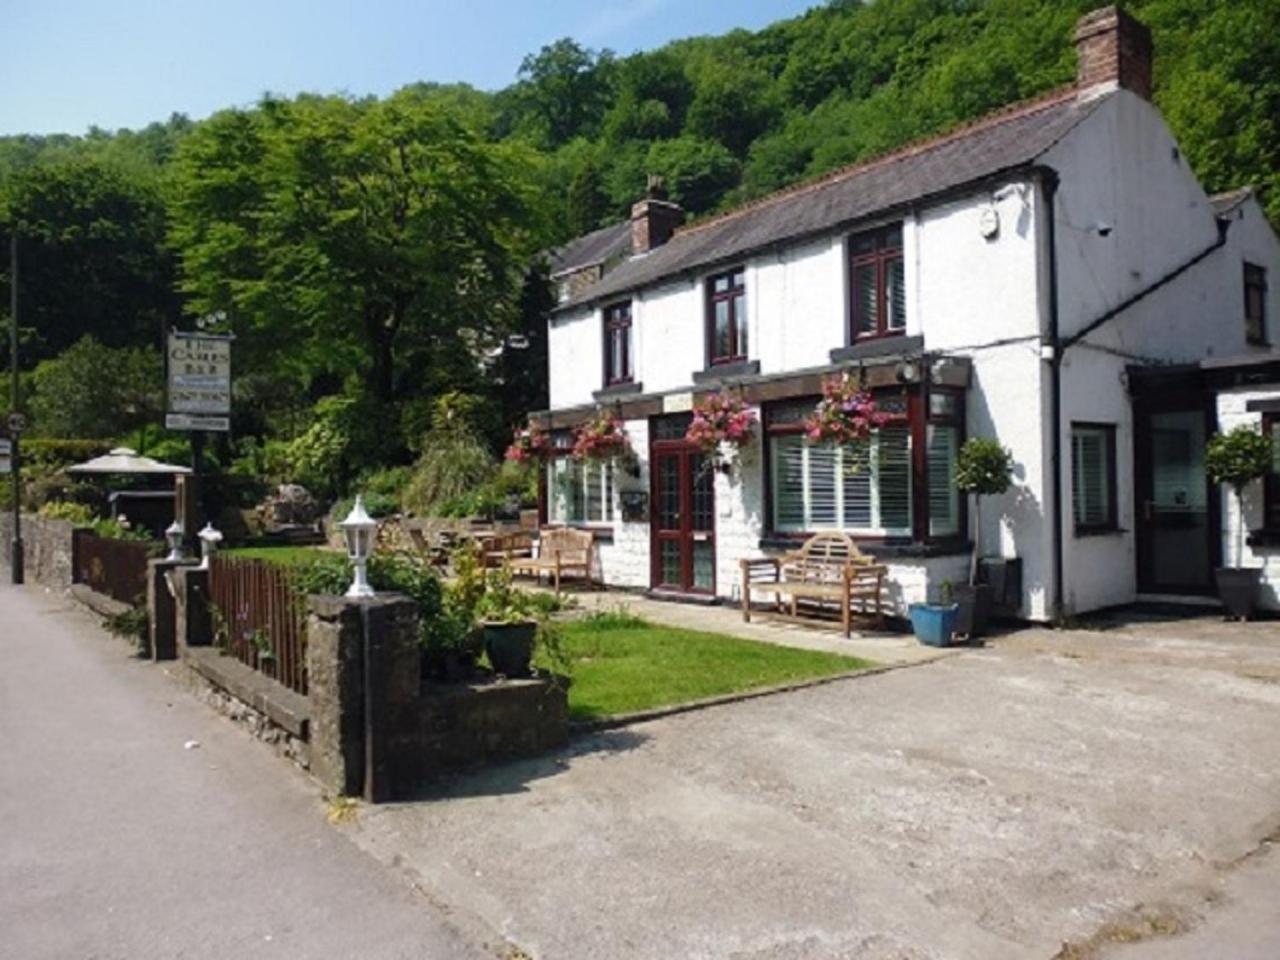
[[1052, 275]]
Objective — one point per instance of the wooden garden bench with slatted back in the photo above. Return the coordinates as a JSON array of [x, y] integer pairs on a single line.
[[829, 570], [561, 550]]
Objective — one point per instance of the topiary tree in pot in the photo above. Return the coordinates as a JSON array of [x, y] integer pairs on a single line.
[[983, 469], [1236, 459]]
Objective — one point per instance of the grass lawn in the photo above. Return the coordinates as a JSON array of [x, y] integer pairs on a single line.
[[622, 665], [285, 556]]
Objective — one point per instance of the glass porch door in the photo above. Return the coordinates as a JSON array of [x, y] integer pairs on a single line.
[[1175, 510]]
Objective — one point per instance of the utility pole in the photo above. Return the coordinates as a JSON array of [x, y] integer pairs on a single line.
[[16, 560]]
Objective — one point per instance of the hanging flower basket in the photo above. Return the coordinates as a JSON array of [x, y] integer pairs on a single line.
[[722, 423], [603, 438], [845, 415], [529, 445]]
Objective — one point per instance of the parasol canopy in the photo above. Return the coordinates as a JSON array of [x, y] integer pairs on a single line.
[[124, 460]]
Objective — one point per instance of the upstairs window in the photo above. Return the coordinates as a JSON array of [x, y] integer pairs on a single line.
[[1255, 304], [617, 344], [877, 283], [727, 317], [1093, 477]]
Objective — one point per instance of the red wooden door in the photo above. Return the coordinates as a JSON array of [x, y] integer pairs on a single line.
[[683, 519]]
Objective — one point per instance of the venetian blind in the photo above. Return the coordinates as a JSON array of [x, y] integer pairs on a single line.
[[1091, 498]]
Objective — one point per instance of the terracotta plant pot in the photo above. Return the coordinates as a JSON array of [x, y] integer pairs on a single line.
[[1238, 590]]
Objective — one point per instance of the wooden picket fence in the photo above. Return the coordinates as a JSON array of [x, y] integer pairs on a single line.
[[259, 618], [114, 568]]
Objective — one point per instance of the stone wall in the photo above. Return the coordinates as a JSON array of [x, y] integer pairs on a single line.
[[47, 549], [385, 735]]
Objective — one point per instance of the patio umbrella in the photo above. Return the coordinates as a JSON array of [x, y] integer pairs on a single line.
[[124, 460]]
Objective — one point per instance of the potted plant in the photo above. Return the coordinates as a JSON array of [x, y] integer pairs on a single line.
[[722, 422], [508, 624], [1237, 459], [935, 623], [983, 469]]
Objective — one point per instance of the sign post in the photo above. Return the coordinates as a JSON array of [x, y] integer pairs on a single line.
[[198, 380]]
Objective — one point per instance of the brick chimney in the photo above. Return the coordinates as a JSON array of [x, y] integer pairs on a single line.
[[1114, 50], [654, 219]]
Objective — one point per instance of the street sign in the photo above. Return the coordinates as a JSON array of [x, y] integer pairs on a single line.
[[190, 421], [17, 423], [6, 456], [199, 375]]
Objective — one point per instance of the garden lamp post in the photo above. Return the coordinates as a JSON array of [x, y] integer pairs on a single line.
[[173, 537], [209, 540], [359, 529]]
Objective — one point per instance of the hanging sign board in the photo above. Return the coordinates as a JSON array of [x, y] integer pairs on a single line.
[[199, 382], [6, 456]]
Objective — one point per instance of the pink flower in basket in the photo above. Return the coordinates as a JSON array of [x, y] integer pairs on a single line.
[[601, 439], [721, 418], [845, 415], [529, 444]]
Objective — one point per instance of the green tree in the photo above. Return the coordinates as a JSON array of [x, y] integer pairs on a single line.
[[697, 172], [564, 89], [92, 391], [377, 236], [93, 263]]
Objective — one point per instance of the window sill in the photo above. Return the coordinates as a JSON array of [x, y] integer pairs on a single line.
[[623, 389], [1083, 532], [880, 549], [727, 371], [893, 344]]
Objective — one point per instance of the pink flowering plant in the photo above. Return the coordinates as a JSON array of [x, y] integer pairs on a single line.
[[845, 415], [603, 438], [721, 418], [529, 445]]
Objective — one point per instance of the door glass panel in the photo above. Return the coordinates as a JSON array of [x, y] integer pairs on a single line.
[[670, 556], [703, 565], [1178, 513], [703, 477], [669, 493]]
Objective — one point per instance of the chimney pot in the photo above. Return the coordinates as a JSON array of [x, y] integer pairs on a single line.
[[654, 219], [1113, 49]]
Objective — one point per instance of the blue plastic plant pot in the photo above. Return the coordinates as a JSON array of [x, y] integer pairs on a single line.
[[933, 624]]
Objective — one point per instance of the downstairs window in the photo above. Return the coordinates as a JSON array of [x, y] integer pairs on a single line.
[[579, 491]]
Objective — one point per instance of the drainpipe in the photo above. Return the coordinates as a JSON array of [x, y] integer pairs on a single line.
[[1049, 181]]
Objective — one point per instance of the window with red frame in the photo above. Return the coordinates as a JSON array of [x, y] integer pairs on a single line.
[[1255, 304], [727, 317], [877, 283], [617, 344]]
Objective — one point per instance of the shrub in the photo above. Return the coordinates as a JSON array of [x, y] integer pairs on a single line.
[[76, 513], [983, 467], [455, 462], [619, 618], [131, 624], [1238, 458]]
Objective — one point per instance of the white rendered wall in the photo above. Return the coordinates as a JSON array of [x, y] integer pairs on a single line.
[[575, 352]]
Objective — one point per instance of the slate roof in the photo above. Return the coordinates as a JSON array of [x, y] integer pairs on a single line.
[[1006, 140], [1224, 203], [598, 246]]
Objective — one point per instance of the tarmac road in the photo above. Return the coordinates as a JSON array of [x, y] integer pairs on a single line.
[[118, 842]]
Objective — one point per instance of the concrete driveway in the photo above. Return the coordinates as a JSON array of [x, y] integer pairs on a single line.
[[1048, 796]]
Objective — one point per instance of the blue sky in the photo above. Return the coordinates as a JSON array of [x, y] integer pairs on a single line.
[[66, 64]]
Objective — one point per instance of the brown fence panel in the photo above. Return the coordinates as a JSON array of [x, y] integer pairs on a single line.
[[116, 568], [259, 619]]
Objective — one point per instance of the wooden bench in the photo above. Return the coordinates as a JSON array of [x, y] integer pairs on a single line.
[[561, 550], [828, 569], [505, 548]]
